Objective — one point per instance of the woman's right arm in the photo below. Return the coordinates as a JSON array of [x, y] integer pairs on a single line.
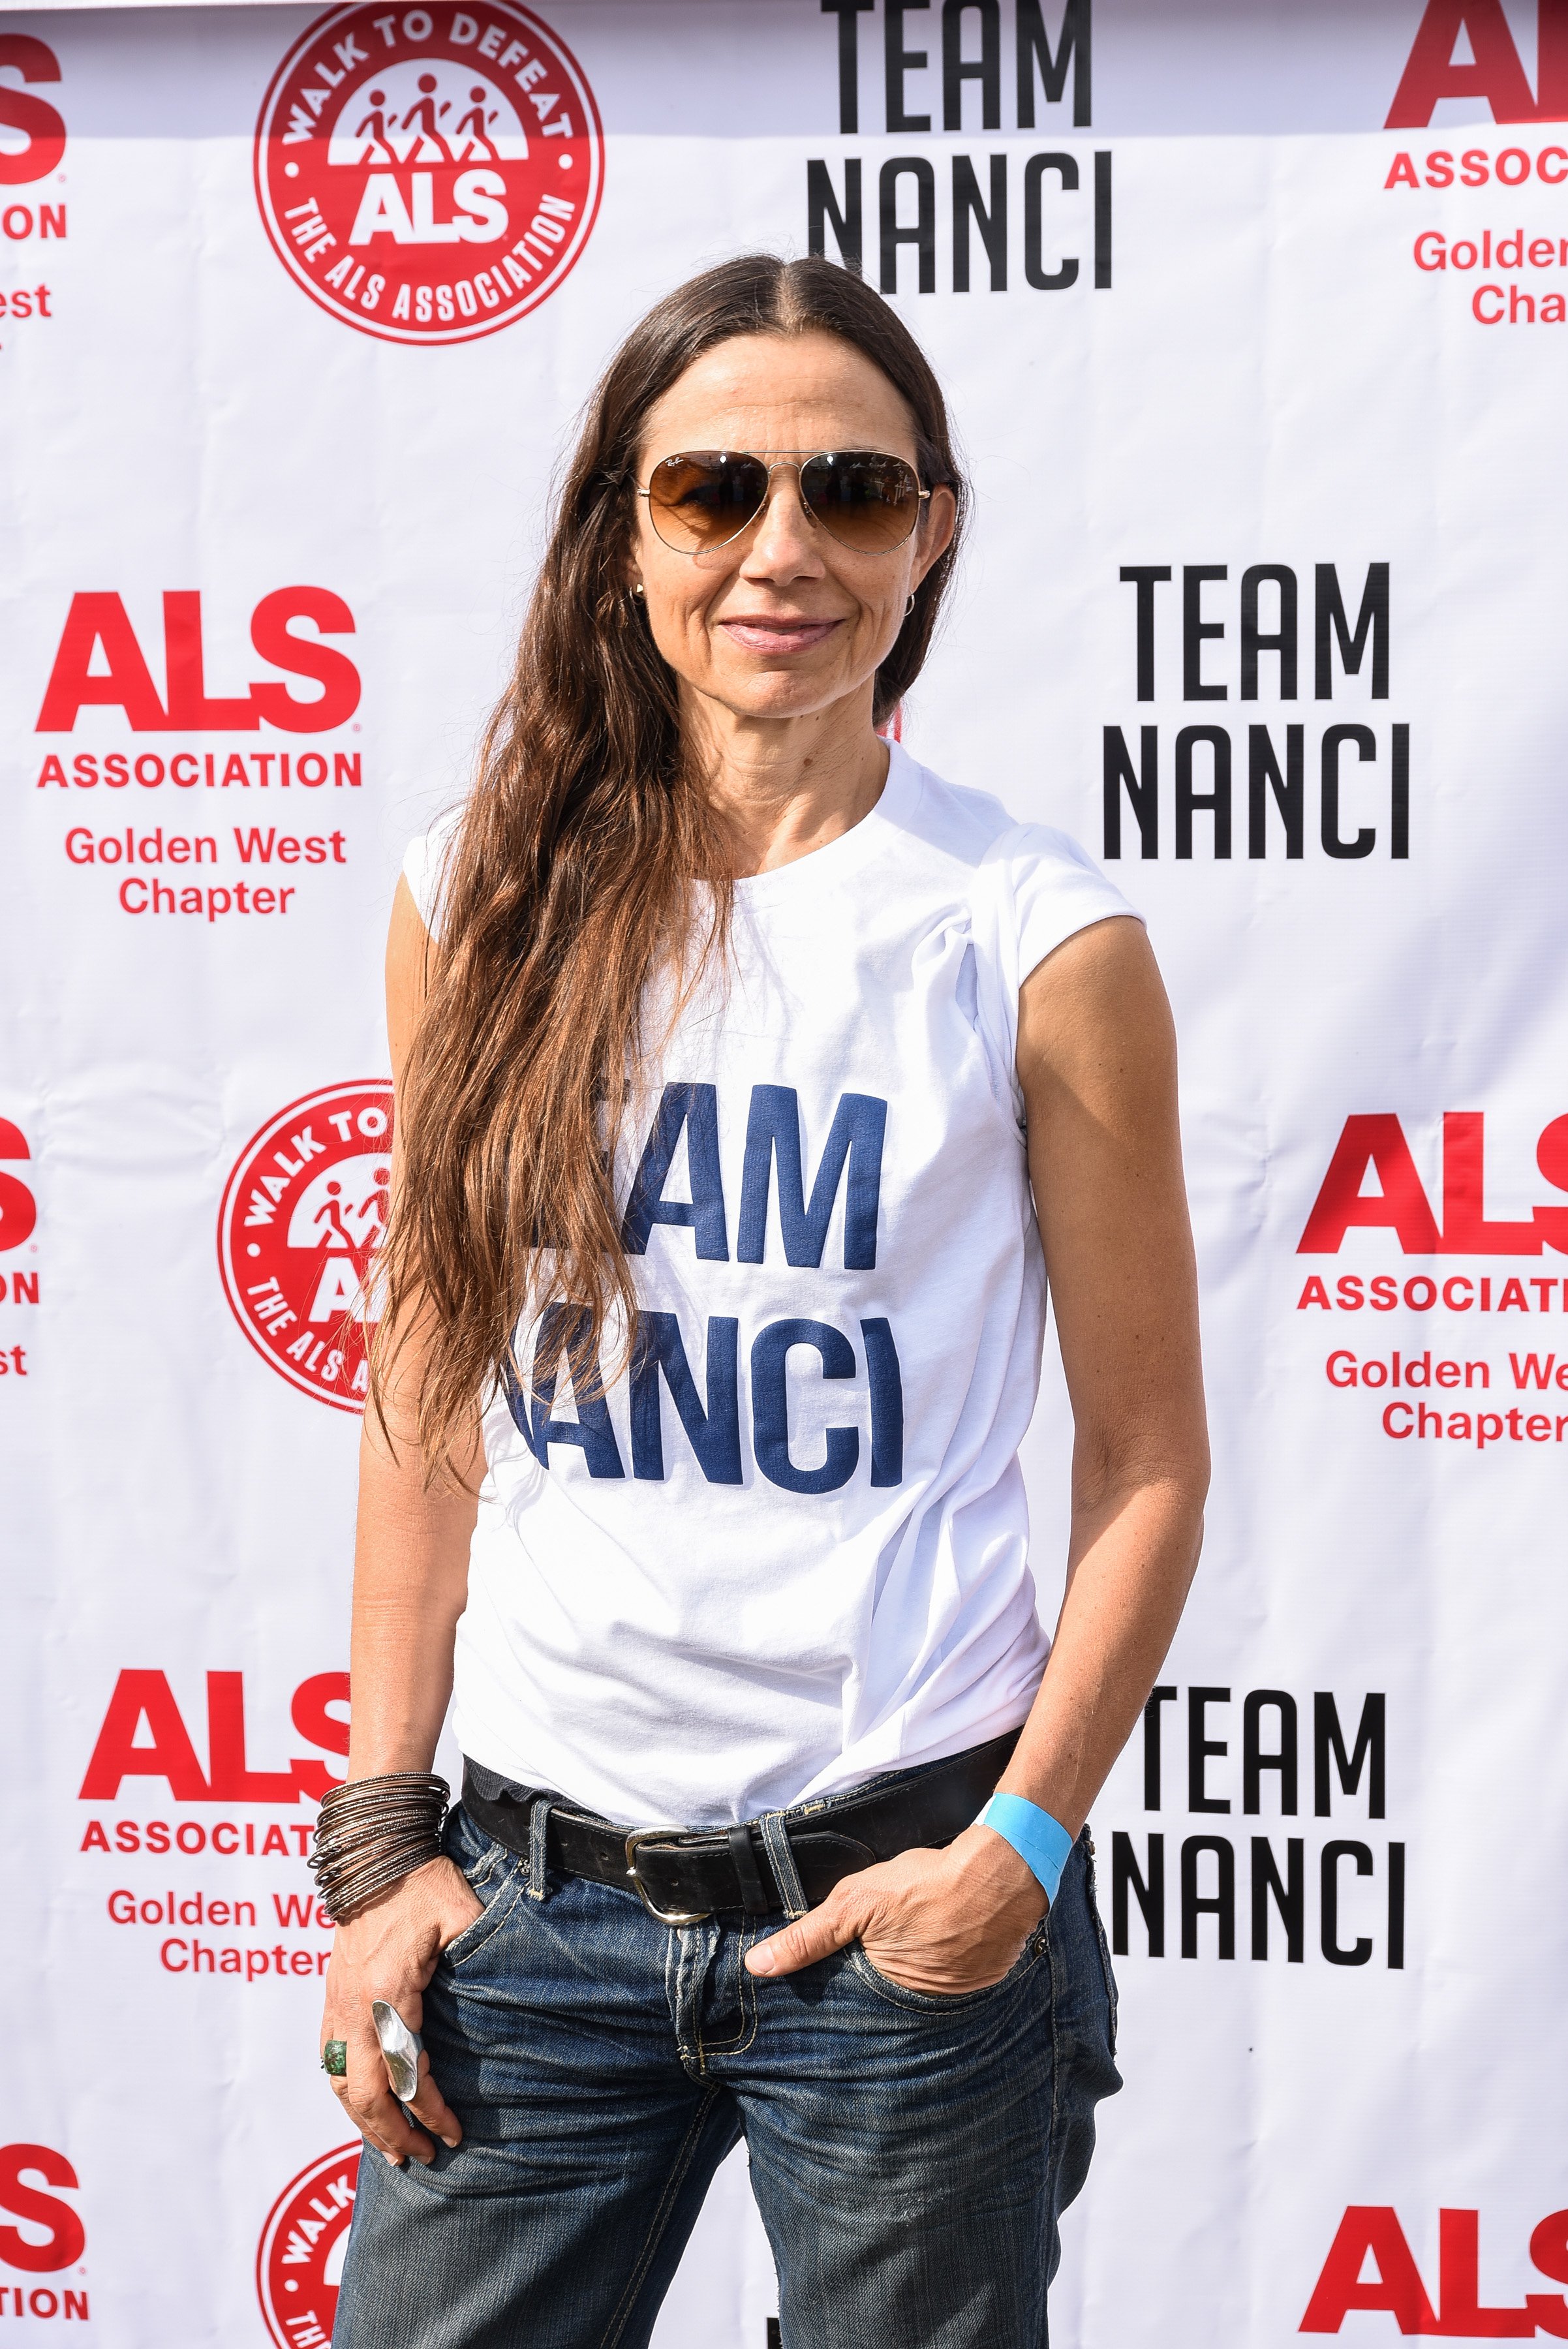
[[411, 1583]]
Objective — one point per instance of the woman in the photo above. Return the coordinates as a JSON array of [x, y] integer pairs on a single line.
[[729, 1046]]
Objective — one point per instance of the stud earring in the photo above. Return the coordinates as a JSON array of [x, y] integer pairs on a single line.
[[639, 591]]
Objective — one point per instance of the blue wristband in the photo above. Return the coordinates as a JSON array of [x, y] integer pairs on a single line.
[[1040, 1842]]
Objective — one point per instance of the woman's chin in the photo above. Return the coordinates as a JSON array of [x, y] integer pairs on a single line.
[[781, 692]]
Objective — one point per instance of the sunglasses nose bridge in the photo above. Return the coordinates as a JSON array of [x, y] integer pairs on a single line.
[[765, 511]]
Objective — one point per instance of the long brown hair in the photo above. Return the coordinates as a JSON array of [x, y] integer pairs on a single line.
[[578, 864]]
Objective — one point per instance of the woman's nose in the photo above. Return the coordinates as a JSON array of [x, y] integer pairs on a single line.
[[785, 533]]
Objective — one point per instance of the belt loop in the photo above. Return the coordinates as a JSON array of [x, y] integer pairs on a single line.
[[754, 1891], [538, 1834], [786, 1876]]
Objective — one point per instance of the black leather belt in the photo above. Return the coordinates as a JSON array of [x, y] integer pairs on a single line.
[[682, 1878]]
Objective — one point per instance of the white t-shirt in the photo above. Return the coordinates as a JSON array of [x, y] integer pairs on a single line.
[[790, 1547]]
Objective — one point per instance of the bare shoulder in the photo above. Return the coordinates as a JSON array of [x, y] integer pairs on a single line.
[[407, 973], [1093, 1016]]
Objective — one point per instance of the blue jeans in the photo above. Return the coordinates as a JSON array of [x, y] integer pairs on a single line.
[[910, 2155]]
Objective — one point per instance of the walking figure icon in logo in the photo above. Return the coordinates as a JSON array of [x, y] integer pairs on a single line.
[[328, 1215], [374, 1211], [469, 137], [432, 147], [380, 149]]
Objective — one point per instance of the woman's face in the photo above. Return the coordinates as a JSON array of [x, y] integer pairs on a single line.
[[782, 622]]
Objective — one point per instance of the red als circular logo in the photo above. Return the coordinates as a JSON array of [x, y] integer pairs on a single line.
[[302, 2247], [429, 174], [302, 1217]]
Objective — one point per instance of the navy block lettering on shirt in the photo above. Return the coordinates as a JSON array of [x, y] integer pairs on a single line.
[[855, 1139], [714, 1433], [769, 1406], [694, 1108], [886, 1382], [561, 1329]]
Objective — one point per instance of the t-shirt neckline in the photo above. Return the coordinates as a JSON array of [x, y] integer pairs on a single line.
[[836, 859]]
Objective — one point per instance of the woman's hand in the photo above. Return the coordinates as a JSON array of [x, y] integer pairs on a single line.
[[938, 1921], [391, 1950]]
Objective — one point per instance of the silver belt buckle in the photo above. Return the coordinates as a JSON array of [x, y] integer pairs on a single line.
[[634, 1841]]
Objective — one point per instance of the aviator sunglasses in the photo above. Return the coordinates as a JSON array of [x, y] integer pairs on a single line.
[[705, 498]]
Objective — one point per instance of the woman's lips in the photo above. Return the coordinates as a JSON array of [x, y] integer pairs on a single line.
[[769, 635]]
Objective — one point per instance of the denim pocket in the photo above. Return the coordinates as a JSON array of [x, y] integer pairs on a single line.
[[494, 1875], [957, 2001]]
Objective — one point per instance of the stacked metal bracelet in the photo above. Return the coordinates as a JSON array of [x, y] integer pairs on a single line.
[[372, 1832]]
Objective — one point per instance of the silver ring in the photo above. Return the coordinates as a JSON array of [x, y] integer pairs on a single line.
[[402, 2048]]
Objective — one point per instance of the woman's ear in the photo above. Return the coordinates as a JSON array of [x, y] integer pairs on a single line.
[[935, 535]]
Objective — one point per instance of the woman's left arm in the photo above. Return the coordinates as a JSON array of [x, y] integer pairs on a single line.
[[1097, 1060]]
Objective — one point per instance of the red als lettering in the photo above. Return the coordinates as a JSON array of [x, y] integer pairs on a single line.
[[139, 1697], [67, 2238], [1549, 2251], [95, 620], [309, 1715], [1465, 1231], [1378, 1143], [1396, 2288], [305, 657], [1431, 73], [34, 117], [233, 1781], [1459, 2268], [189, 711], [18, 1208], [1552, 1223], [1551, 62]]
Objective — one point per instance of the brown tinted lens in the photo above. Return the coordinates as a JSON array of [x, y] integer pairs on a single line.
[[705, 498], [865, 501]]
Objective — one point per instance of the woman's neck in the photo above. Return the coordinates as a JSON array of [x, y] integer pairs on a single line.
[[783, 787]]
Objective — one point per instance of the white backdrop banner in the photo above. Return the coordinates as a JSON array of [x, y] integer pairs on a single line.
[[1254, 320]]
